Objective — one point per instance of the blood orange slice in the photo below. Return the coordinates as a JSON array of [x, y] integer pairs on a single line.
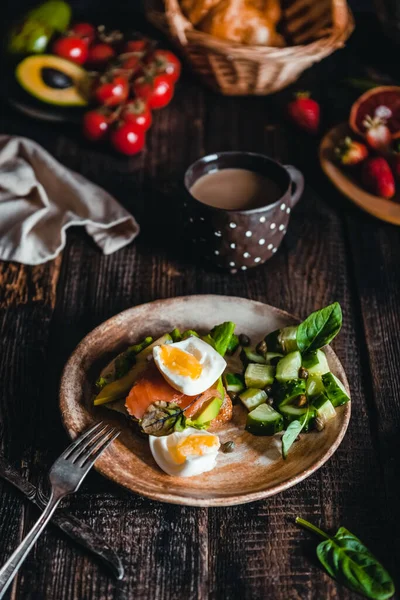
[[381, 102]]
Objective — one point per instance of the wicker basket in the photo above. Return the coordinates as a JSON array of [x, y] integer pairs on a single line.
[[314, 28]]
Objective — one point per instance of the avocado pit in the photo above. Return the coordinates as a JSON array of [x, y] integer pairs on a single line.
[[56, 79]]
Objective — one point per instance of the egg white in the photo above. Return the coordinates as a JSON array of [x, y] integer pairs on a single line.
[[194, 465], [213, 365]]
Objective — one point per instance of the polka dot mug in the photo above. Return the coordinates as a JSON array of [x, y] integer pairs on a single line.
[[240, 239]]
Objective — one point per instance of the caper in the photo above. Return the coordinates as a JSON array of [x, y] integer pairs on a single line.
[[234, 397], [244, 340], [303, 373], [268, 389], [302, 400], [262, 348], [228, 447], [270, 400]]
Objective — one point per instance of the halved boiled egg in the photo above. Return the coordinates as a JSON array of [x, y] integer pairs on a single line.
[[185, 453], [190, 366]]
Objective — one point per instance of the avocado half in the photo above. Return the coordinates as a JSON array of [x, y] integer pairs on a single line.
[[53, 80]]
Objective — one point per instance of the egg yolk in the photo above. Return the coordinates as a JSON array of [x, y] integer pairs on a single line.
[[195, 445], [180, 362]]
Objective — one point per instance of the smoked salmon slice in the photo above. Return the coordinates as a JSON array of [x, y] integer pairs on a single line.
[[152, 387]]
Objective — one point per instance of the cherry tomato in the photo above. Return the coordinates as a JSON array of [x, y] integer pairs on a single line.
[[95, 125], [164, 61], [86, 31], [156, 90], [128, 138], [111, 90], [136, 111], [100, 54], [72, 48]]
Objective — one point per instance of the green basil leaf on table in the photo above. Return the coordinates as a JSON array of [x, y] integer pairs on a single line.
[[347, 560], [291, 433], [319, 328]]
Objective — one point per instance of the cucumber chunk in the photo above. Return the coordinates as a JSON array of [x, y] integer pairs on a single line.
[[234, 382], [317, 361], [252, 398], [258, 376], [309, 360], [335, 389], [325, 411], [264, 420], [288, 367], [285, 393], [294, 413], [283, 340], [314, 386], [249, 355], [273, 358]]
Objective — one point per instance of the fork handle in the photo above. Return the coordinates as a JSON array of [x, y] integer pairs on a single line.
[[8, 571]]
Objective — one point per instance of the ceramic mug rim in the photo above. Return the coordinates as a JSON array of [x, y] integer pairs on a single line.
[[245, 211]]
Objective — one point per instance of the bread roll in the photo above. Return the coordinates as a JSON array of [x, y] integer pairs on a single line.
[[241, 21]]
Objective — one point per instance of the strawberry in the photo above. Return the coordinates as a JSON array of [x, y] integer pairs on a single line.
[[378, 178], [377, 133], [349, 152], [304, 112]]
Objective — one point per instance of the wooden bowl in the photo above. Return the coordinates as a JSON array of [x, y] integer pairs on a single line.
[[347, 184], [254, 470]]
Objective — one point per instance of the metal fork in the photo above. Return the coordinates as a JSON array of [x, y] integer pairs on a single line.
[[66, 475]]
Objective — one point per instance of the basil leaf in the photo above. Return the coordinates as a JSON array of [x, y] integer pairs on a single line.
[[222, 336], [319, 328], [291, 433], [347, 560], [162, 418]]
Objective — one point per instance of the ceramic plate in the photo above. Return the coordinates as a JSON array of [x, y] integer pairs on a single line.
[[387, 210], [254, 470]]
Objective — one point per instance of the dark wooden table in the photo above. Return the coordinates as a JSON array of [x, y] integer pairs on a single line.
[[332, 251]]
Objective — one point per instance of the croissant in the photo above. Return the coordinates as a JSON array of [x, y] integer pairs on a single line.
[[243, 22]]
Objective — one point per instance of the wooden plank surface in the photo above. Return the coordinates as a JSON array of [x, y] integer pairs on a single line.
[[331, 252]]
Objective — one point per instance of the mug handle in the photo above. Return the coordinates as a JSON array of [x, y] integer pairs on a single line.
[[298, 180]]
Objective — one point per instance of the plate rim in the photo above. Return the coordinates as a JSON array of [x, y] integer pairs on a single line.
[[175, 498], [375, 200]]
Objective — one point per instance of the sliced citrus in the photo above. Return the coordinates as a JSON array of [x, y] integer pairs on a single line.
[[382, 102]]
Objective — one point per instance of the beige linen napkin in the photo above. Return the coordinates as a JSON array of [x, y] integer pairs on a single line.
[[40, 199]]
